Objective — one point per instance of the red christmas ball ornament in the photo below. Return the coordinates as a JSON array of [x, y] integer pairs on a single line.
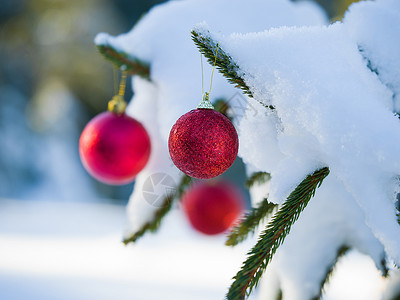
[[203, 143], [114, 147], [213, 208]]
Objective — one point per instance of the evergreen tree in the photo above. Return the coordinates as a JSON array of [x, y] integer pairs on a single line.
[[324, 136]]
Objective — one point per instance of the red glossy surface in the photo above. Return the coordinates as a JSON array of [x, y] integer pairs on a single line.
[[213, 208], [203, 143], [114, 148]]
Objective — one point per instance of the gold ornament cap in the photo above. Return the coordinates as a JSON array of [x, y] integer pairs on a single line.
[[117, 105], [205, 102]]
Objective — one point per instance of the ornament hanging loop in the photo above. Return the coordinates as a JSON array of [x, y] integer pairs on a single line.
[[205, 101], [215, 63], [117, 104]]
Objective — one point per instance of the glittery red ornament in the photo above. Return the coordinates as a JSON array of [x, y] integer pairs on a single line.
[[212, 208], [114, 148], [203, 143]]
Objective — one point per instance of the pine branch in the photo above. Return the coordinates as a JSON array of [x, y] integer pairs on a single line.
[[161, 212], [257, 177], [252, 219], [340, 253], [184, 184], [222, 106], [395, 295], [153, 225], [134, 66], [397, 205], [224, 62], [249, 222], [384, 269], [273, 236]]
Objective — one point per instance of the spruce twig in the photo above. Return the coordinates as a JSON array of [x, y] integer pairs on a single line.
[[340, 253], [330, 270], [383, 268], [279, 295], [252, 219], [224, 62], [273, 236], [249, 222], [154, 224], [161, 212], [222, 106], [134, 66], [257, 177]]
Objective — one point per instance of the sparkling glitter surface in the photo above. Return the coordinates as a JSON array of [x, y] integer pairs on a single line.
[[203, 143], [212, 208], [114, 148]]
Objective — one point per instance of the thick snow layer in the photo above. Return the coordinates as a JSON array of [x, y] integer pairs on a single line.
[[256, 117], [375, 26]]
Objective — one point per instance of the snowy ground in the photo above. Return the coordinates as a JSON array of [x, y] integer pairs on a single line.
[[73, 251]]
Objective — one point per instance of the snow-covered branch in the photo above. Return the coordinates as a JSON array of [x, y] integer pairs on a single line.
[[250, 222], [279, 227], [132, 65]]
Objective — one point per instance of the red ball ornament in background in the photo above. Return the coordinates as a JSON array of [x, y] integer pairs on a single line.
[[212, 208], [203, 143], [114, 148]]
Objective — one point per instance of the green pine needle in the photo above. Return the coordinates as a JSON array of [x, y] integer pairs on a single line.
[[257, 177], [252, 219], [222, 106], [224, 62], [161, 212], [249, 222], [134, 66], [154, 224], [279, 295], [340, 253], [273, 236], [383, 268], [343, 250]]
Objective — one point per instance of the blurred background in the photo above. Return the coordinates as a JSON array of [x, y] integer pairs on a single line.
[[55, 220], [52, 81]]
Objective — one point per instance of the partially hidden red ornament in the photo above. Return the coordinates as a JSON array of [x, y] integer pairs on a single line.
[[114, 147], [213, 208], [203, 143]]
